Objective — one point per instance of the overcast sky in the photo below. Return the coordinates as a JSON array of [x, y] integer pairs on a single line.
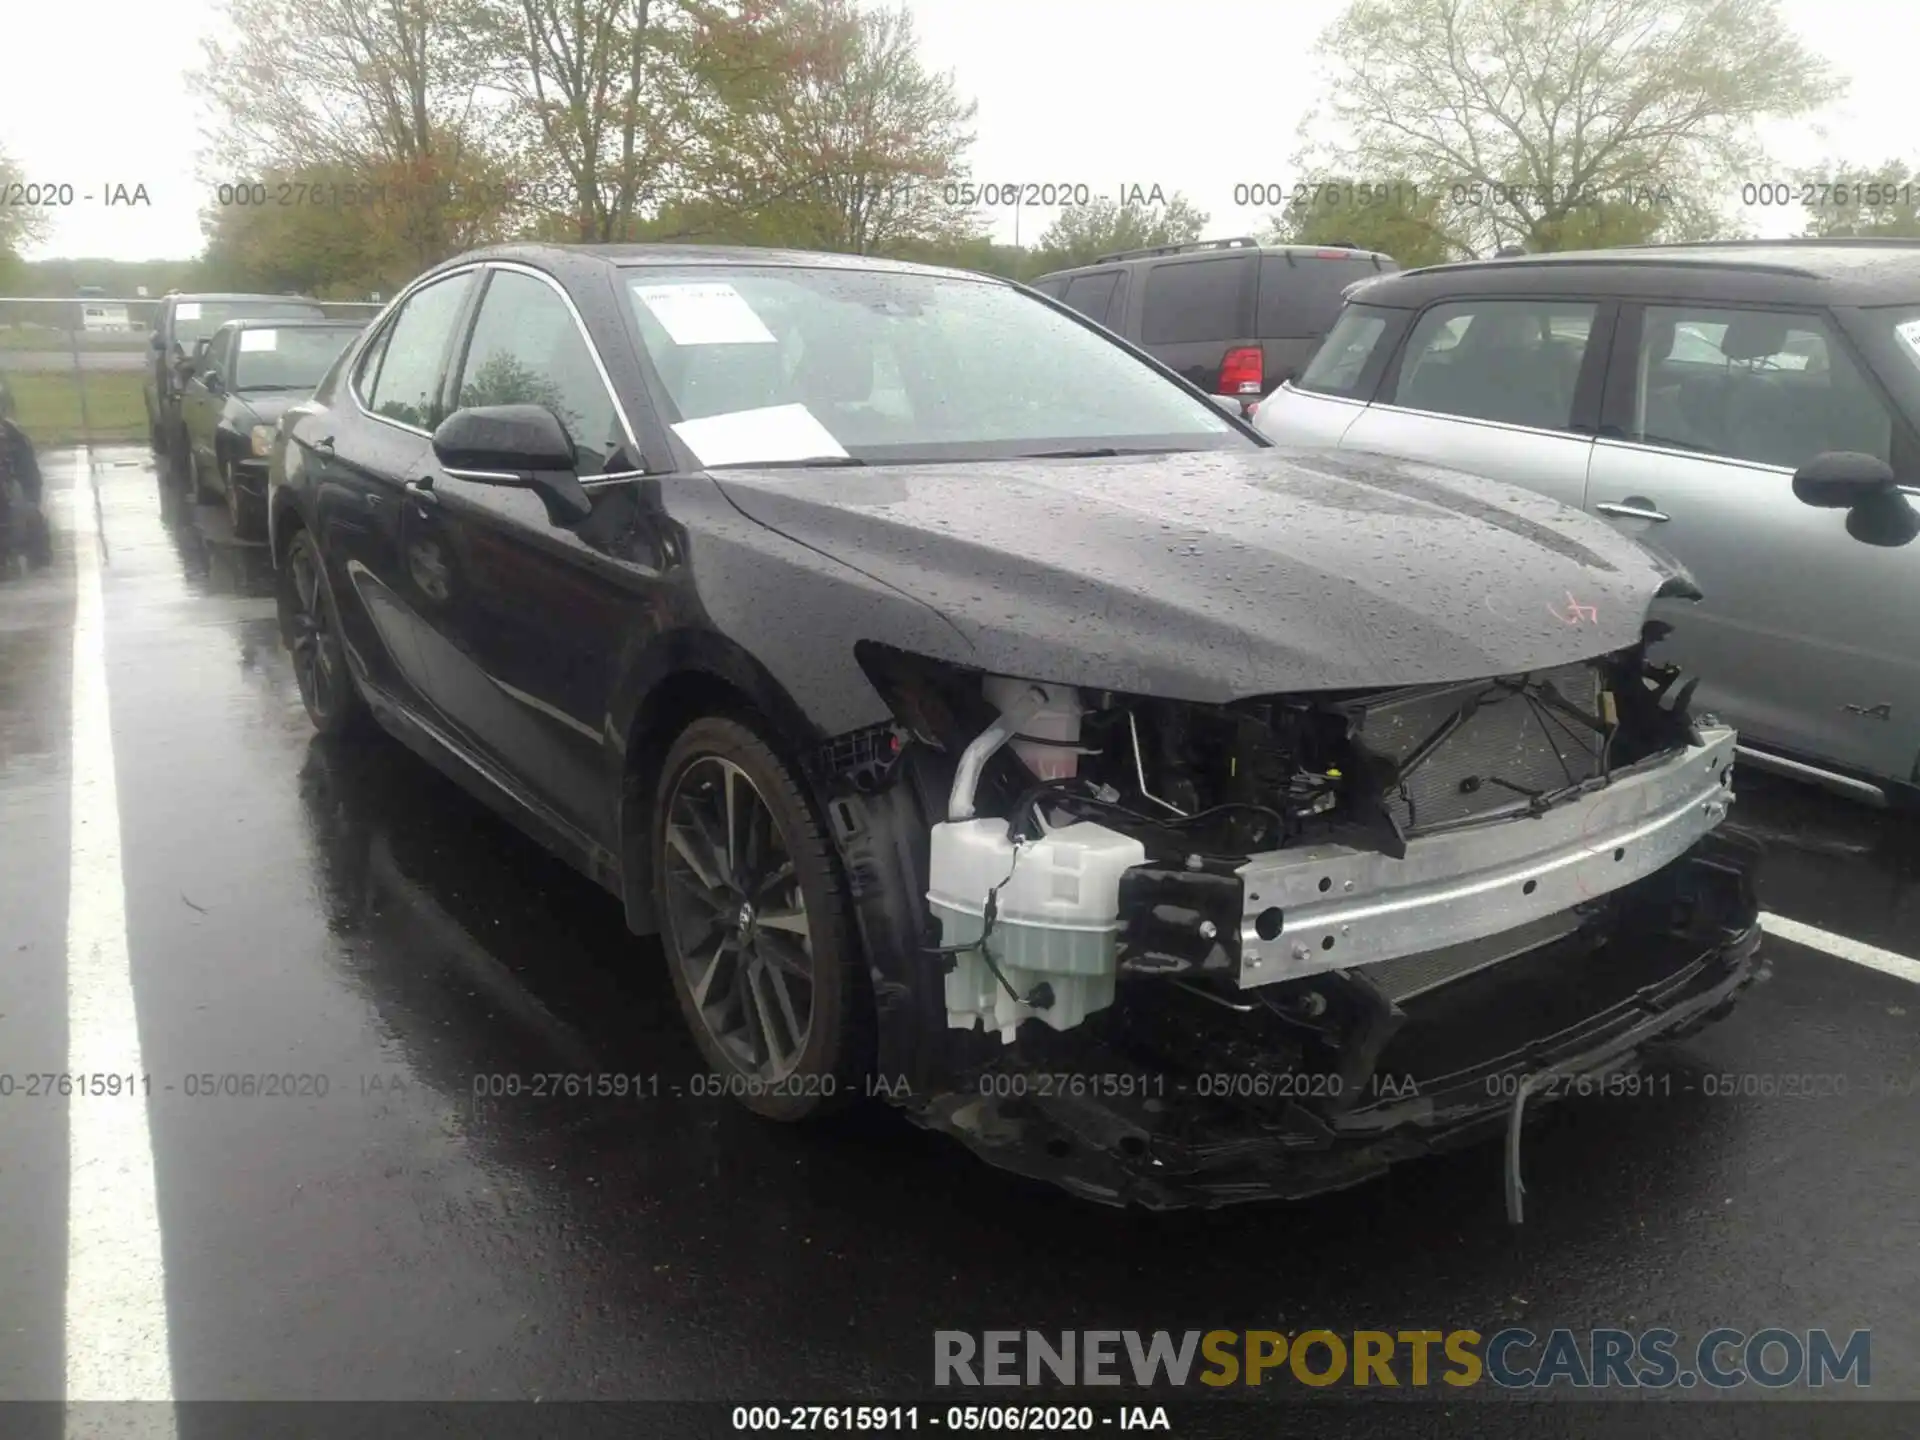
[[1193, 98]]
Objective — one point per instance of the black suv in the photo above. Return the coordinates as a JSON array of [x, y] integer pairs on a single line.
[[1234, 316], [181, 322]]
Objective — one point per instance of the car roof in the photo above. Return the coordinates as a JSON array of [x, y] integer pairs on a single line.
[[267, 322], [1800, 272], [562, 257], [242, 295], [1211, 250]]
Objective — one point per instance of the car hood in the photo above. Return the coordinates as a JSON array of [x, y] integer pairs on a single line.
[[267, 406], [1217, 575]]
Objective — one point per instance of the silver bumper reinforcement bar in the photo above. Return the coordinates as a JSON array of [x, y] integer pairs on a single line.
[[1331, 907]]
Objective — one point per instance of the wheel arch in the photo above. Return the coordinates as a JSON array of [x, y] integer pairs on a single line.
[[684, 675]]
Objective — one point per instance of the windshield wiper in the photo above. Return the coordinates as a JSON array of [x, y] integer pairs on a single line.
[[1093, 453], [821, 461]]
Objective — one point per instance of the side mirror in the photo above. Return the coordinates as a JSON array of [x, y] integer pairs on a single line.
[[215, 385], [1865, 487], [523, 445]]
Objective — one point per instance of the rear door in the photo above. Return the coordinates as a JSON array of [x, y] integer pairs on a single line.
[[365, 454], [1805, 639], [1301, 292], [1194, 309], [1503, 387]]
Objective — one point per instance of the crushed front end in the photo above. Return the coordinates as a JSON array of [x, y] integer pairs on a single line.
[[1170, 954]]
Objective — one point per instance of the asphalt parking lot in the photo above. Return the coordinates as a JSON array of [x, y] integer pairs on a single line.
[[350, 919]]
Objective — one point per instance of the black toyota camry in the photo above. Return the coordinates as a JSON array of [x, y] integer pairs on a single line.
[[982, 718]]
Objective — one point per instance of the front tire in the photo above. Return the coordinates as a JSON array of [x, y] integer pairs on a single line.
[[311, 622], [244, 510], [756, 925]]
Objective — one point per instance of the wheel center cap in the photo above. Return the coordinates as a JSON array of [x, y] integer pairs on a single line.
[[746, 920]]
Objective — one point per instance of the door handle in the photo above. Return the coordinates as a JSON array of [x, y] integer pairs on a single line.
[[421, 493], [325, 442], [1632, 512]]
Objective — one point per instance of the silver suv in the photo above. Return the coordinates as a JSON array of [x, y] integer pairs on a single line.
[[1749, 408]]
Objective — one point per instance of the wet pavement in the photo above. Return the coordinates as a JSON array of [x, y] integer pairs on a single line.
[[348, 920]]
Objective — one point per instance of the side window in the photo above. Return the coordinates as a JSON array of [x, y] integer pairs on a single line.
[[406, 386], [1774, 387], [1304, 298], [1340, 362], [1092, 295], [527, 350], [1515, 361], [1054, 287], [1192, 300], [220, 355]]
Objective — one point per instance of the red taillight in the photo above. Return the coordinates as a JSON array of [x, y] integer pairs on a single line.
[[1242, 371]]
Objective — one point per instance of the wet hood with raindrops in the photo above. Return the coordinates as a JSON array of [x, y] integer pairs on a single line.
[[1218, 575]]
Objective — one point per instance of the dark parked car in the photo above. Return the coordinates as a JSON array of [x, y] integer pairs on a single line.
[[1233, 316], [248, 372], [181, 322], [1752, 409], [968, 704]]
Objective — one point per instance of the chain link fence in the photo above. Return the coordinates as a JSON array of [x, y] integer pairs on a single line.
[[75, 367]]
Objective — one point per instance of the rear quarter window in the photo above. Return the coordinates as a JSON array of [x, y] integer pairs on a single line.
[[1303, 299], [1092, 295], [1192, 300], [1350, 357]]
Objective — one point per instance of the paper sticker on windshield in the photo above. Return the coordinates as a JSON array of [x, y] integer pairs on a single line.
[[187, 310], [704, 315], [1909, 331], [259, 339], [747, 437]]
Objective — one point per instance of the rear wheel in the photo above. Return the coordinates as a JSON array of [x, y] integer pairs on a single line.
[[312, 623], [756, 925]]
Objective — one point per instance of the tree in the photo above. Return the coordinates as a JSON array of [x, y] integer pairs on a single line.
[[850, 143], [1550, 123], [20, 225], [1391, 217], [391, 92], [1856, 201], [325, 240], [617, 93], [1086, 232]]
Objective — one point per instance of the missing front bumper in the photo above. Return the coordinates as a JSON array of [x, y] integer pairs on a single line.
[[1331, 907], [1122, 1123]]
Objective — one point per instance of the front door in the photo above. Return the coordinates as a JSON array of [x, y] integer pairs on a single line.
[[524, 621], [1805, 638]]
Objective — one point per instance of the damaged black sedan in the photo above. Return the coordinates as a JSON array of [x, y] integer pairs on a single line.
[[981, 718]]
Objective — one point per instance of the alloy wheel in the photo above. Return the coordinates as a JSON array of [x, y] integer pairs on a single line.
[[738, 918], [318, 662]]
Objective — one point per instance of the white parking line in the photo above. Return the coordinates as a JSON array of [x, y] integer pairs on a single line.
[[1858, 951], [116, 1307]]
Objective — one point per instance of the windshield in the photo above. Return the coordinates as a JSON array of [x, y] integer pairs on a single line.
[[196, 319], [786, 364], [291, 359]]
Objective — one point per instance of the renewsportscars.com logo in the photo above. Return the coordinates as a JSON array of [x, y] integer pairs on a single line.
[[1514, 1358]]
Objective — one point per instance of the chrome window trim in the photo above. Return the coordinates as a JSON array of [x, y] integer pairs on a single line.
[[1585, 435], [373, 327]]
